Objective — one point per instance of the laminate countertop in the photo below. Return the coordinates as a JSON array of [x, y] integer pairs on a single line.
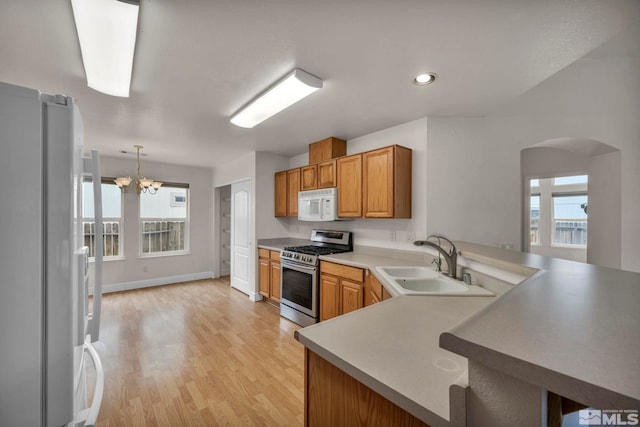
[[570, 328], [392, 346]]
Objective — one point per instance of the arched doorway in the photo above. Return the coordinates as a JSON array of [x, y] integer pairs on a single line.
[[595, 167]]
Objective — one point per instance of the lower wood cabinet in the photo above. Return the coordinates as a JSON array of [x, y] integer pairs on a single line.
[[269, 274], [373, 290], [334, 398], [341, 289]]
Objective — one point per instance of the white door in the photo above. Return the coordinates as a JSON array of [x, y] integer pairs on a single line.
[[240, 236]]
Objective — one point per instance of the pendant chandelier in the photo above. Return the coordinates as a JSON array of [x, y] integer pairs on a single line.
[[143, 185]]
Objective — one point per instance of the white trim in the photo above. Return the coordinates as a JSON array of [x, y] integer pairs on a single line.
[[159, 281]]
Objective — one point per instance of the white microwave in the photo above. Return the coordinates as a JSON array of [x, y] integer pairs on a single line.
[[318, 205]]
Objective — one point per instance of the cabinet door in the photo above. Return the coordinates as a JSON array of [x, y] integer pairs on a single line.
[[293, 186], [327, 174], [329, 297], [352, 296], [349, 177], [263, 277], [385, 294], [377, 194], [280, 186], [309, 177], [372, 290], [275, 280]]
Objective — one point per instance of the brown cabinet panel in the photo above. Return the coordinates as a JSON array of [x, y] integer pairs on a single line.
[[377, 167], [386, 190], [352, 296], [280, 186], [293, 187], [349, 183], [327, 149], [263, 277], [327, 174], [385, 294], [334, 398], [372, 290], [274, 270], [309, 177], [329, 297], [340, 270]]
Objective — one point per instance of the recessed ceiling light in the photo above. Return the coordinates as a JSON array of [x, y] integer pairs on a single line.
[[425, 79]]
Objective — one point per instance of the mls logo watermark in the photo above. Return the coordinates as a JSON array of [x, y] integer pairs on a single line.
[[608, 417]]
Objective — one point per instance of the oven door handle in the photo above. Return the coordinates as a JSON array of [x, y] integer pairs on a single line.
[[297, 266]]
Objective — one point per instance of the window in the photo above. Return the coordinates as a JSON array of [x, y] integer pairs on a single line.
[[557, 216], [534, 219], [164, 220], [111, 218], [569, 219]]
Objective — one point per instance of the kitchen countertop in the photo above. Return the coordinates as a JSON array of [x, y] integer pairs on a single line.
[[571, 328], [392, 347], [279, 244]]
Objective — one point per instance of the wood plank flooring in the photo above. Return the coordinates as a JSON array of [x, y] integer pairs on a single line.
[[198, 354]]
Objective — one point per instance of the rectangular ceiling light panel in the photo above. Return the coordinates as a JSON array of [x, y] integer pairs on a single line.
[[107, 33], [291, 89]]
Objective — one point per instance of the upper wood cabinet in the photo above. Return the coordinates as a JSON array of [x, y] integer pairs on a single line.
[[386, 182], [327, 174], [293, 187], [349, 183], [327, 149], [309, 177], [280, 186]]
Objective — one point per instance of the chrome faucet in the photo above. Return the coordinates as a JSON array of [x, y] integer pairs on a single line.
[[451, 256]]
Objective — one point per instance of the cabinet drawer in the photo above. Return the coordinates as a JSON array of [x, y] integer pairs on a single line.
[[275, 255], [352, 273], [263, 253]]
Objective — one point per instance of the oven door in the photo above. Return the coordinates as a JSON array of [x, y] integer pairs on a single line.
[[299, 288]]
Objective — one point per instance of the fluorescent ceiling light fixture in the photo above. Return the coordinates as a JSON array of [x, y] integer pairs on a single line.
[[291, 89], [107, 33]]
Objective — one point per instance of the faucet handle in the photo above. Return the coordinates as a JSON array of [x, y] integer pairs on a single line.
[[438, 263]]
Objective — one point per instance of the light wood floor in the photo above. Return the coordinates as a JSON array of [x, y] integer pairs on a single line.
[[198, 354]]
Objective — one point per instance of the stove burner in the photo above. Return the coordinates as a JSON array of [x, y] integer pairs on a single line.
[[315, 250]]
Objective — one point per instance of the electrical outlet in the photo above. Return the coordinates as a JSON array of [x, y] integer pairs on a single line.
[[411, 236], [392, 236]]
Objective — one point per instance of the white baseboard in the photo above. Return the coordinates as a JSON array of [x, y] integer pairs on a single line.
[[159, 281]]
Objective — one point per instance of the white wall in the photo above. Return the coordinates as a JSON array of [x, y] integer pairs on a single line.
[[377, 232], [136, 269], [474, 163]]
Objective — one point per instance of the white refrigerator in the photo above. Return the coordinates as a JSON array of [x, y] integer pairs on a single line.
[[47, 325]]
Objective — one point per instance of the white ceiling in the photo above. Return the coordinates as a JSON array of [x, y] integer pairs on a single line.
[[199, 61]]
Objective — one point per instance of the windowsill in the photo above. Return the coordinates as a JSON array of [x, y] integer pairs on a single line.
[[164, 254], [108, 259], [561, 246]]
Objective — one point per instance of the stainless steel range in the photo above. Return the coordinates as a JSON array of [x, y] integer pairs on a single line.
[[299, 289]]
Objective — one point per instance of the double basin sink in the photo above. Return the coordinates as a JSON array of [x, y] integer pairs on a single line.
[[425, 281]]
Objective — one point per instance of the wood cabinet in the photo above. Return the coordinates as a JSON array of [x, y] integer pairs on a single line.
[[327, 149], [309, 177], [269, 274], [374, 292], [293, 187], [334, 398], [341, 289], [280, 190], [386, 183], [349, 183], [327, 174]]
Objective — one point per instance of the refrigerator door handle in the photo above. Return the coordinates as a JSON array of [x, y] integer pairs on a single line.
[[89, 415], [93, 164]]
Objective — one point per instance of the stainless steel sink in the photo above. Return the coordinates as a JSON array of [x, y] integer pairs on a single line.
[[421, 280]]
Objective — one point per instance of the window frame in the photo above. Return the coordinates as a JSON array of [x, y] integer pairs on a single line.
[[187, 224], [120, 220]]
